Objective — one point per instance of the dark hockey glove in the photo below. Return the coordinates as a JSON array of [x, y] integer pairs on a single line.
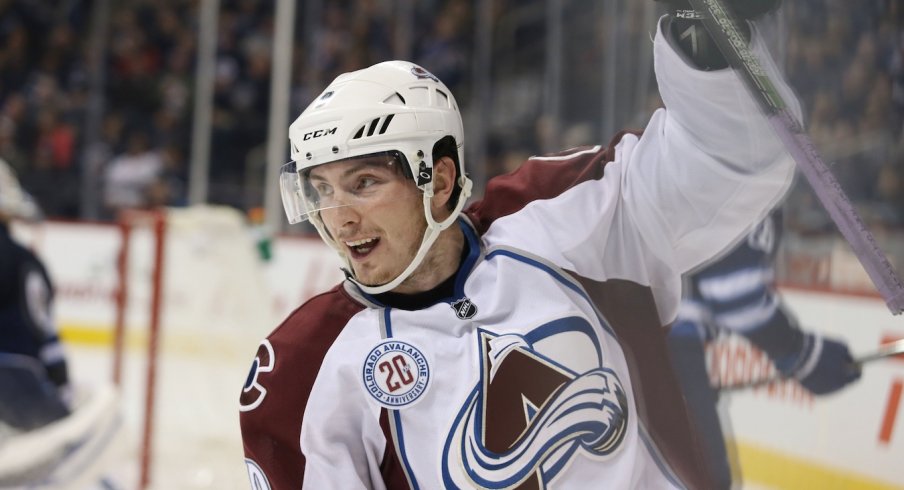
[[744, 9], [685, 26], [822, 365]]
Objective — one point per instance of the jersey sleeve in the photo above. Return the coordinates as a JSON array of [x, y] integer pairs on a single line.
[[26, 314], [741, 298], [709, 166], [37, 309], [737, 292], [278, 392], [651, 206]]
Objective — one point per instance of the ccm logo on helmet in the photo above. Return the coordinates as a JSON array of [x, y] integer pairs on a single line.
[[318, 133]]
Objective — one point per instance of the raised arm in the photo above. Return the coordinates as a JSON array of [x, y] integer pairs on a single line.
[[709, 166]]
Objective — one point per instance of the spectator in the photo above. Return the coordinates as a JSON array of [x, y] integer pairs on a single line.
[[130, 175], [849, 55]]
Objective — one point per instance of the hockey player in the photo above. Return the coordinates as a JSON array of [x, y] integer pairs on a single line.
[[519, 343], [51, 435], [34, 381], [735, 295]]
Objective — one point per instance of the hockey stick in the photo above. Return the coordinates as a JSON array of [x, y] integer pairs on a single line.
[[895, 348], [722, 25]]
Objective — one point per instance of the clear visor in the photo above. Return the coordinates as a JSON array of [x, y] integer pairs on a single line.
[[348, 182]]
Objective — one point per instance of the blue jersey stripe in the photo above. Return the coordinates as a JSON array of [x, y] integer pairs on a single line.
[[558, 276]]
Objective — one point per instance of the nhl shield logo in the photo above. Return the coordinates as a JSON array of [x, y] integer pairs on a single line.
[[464, 308]]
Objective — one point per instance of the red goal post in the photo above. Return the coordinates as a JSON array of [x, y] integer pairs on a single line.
[[192, 300], [127, 221]]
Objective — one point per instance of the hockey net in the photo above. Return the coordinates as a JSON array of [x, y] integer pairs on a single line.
[[192, 303]]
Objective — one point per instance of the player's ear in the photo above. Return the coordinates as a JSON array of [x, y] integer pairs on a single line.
[[444, 174]]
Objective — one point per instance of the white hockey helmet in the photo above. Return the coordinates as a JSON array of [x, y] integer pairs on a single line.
[[395, 107], [15, 202]]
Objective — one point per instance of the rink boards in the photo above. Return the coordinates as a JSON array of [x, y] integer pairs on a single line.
[[851, 439]]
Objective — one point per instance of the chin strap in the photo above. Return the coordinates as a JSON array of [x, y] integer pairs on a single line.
[[431, 233]]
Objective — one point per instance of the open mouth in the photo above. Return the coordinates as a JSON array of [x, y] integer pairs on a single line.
[[361, 248]]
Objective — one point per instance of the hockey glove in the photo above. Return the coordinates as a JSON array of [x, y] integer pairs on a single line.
[[744, 9], [822, 365], [686, 29]]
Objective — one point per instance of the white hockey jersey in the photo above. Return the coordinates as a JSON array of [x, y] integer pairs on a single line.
[[545, 366]]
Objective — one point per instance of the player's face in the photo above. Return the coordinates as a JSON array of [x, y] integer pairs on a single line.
[[374, 214]]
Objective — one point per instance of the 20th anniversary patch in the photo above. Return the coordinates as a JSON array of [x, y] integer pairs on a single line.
[[396, 374]]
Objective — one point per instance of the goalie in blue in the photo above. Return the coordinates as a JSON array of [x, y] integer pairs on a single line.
[[50, 433]]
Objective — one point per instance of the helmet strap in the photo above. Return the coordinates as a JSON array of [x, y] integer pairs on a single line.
[[431, 233]]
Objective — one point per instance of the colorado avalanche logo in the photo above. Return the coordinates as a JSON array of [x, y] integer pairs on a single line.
[[253, 393], [422, 73], [563, 412], [256, 475], [396, 374]]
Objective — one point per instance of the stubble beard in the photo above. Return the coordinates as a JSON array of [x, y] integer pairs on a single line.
[[375, 276]]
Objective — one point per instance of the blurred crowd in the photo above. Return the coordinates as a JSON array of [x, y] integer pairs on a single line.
[[846, 59]]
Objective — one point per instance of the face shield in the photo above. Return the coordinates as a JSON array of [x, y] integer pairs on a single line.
[[306, 192]]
